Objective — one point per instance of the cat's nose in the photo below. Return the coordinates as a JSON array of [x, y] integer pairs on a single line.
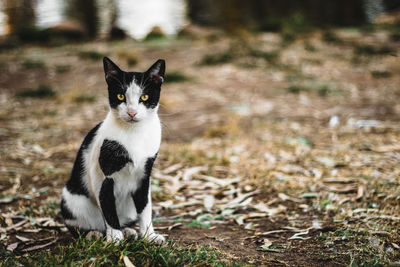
[[131, 114]]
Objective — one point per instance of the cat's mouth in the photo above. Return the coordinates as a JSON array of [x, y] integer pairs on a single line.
[[132, 120]]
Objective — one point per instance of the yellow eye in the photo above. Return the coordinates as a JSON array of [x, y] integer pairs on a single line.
[[120, 97], [144, 97]]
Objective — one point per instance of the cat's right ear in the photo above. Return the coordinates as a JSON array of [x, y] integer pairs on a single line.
[[111, 70]]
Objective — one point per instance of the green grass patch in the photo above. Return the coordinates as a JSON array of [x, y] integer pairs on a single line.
[[131, 58], [84, 252], [62, 68], [308, 46], [271, 57], [42, 91], [176, 77], [369, 50], [198, 224], [85, 99], [321, 89], [155, 34], [33, 64], [217, 58], [91, 55], [381, 74], [331, 37], [395, 37]]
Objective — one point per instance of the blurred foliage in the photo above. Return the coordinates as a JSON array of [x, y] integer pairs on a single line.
[[381, 74], [84, 11], [33, 64], [85, 99], [176, 76], [91, 55], [269, 15], [131, 58], [370, 50], [155, 34], [39, 92]]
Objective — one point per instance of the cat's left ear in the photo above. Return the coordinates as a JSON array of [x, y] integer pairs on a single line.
[[111, 70], [156, 71]]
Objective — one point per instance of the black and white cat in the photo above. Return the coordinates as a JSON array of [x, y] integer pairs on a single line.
[[109, 188]]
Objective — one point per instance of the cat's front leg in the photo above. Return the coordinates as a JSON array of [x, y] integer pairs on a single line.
[[107, 204], [146, 225], [142, 200]]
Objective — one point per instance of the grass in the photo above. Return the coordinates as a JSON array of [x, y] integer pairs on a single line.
[[237, 50], [42, 91], [322, 89], [331, 37], [380, 74], [176, 77], [62, 68], [369, 50], [91, 55], [271, 57], [84, 252], [33, 64], [217, 58], [131, 58], [85, 99]]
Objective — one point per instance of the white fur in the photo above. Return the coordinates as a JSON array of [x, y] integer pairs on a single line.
[[141, 138]]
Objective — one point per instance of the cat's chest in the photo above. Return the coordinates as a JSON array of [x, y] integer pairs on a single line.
[[138, 145]]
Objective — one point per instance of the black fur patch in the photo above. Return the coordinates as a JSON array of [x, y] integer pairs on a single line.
[[129, 224], [75, 184], [113, 157], [140, 197], [107, 203], [65, 212], [153, 91]]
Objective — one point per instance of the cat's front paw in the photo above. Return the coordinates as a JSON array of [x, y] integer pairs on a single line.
[[114, 235], [130, 233], [156, 238]]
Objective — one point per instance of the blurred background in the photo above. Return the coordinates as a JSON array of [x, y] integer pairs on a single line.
[[277, 115], [41, 20]]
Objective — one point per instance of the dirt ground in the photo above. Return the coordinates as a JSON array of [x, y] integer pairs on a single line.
[[277, 153]]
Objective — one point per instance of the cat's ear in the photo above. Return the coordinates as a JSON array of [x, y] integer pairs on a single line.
[[111, 70], [156, 71]]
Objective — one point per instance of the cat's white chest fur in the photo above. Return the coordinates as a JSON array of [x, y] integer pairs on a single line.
[[141, 140]]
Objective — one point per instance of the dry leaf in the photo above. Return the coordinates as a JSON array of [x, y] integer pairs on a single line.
[[187, 175], [340, 180], [12, 246], [267, 243], [13, 226], [208, 202], [360, 192], [260, 206], [23, 239], [286, 197], [3, 236], [128, 262], [40, 246], [299, 236], [172, 168], [220, 182]]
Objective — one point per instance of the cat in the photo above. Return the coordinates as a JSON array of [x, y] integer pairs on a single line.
[[109, 187]]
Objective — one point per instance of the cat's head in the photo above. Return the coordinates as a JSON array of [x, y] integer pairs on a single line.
[[134, 96]]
